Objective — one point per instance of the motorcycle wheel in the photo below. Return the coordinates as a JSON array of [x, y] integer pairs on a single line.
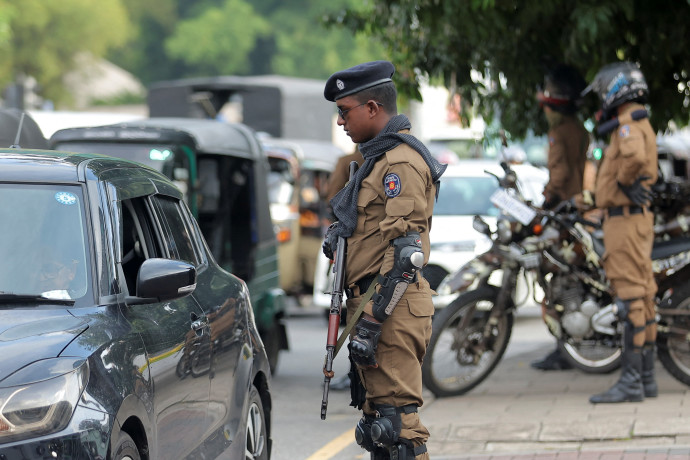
[[673, 350], [458, 360], [592, 356]]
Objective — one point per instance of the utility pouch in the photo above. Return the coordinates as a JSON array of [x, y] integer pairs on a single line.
[[358, 393]]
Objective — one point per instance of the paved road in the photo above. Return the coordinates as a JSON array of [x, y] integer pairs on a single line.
[[518, 413]]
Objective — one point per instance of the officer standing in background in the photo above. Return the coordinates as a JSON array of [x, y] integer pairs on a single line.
[[385, 214], [626, 172], [567, 154]]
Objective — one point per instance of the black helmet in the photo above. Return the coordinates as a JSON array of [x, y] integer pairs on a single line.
[[563, 86], [618, 83]]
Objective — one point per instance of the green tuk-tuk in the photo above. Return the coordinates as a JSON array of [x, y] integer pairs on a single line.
[[221, 168]]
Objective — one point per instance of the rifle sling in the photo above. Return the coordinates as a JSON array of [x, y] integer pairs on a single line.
[[355, 317]]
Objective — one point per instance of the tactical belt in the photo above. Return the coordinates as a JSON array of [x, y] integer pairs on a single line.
[[362, 284], [620, 210]]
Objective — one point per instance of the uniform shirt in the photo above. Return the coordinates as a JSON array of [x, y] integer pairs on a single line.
[[631, 153], [385, 211], [568, 143]]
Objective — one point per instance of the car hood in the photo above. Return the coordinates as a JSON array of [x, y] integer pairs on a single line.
[[454, 229], [28, 335]]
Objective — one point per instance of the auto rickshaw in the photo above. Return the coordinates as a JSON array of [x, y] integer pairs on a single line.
[[297, 191], [222, 171]]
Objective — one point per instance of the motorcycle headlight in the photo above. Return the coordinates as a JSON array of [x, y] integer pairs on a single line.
[[444, 288], [503, 231], [40, 398]]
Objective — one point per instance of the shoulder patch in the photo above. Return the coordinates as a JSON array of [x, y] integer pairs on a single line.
[[392, 185], [624, 131], [551, 140]]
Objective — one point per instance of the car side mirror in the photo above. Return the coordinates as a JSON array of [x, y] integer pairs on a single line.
[[159, 280]]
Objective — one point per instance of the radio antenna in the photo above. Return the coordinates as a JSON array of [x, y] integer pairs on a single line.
[[19, 132]]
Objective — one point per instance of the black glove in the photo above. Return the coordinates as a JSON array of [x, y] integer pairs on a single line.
[[638, 193], [363, 344], [330, 241]]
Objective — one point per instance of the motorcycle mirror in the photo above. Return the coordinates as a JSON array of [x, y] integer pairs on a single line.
[[482, 227]]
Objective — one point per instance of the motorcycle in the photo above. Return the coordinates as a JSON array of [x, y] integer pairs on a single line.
[[557, 252]]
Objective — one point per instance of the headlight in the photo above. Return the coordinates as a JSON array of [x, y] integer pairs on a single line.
[[44, 405], [444, 288]]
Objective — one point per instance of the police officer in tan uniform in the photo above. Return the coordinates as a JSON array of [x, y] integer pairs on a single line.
[[385, 214], [625, 175], [567, 154]]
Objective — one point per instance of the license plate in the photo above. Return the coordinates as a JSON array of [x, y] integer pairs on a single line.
[[512, 206]]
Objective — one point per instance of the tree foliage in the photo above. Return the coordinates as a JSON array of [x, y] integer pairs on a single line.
[[495, 52], [41, 39], [183, 38], [219, 39]]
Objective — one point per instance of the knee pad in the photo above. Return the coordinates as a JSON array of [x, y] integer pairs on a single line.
[[363, 433], [386, 428]]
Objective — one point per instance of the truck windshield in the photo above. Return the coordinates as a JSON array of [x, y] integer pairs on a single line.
[[43, 248]]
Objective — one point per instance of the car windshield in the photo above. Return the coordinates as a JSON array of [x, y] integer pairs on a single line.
[[466, 196], [43, 246]]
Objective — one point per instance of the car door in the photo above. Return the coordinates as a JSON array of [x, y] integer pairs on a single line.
[[174, 333]]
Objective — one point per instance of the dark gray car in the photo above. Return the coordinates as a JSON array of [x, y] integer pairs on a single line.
[[120, 336]]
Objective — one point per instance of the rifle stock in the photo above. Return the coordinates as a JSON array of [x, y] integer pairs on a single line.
[[334, 313]]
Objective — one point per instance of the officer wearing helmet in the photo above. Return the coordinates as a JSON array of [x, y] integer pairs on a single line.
[[567, 154], [626, 172]]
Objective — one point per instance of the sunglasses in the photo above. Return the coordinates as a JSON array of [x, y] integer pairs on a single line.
[[342, 113]]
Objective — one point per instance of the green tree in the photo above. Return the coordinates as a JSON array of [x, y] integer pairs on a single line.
[[41, 39], [182, 38], [219, 40], [302, 46], [495, 52]]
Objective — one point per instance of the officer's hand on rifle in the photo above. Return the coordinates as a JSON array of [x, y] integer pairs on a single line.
[[330, 241], [363, 344], [637, 192]]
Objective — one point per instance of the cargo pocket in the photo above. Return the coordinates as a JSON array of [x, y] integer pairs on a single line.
[[420, 306]]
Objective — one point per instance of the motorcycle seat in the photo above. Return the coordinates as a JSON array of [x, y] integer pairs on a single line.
[[668, 248]]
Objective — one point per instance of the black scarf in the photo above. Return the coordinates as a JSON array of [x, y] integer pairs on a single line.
[[344, 204]]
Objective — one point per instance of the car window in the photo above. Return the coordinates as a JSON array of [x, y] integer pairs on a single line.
[[179, 239], [44, 246], [138, 239], [466, 196]]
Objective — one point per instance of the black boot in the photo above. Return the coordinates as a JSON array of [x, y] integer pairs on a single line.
[[554, 361], [651, 390], [629, 385]]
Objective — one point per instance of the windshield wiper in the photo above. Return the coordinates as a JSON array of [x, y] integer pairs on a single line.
[[6, 298]]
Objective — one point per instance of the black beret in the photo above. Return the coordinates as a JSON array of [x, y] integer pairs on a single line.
[[357, 78]]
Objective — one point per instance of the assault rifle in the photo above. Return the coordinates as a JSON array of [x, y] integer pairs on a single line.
[[334, 313]]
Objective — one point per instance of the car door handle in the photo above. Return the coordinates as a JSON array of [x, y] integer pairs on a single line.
[[199, 324]]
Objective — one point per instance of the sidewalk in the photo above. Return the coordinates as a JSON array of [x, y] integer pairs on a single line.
[[522, 413]]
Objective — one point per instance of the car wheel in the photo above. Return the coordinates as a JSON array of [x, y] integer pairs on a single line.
[[125, 449], [255, 447]]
